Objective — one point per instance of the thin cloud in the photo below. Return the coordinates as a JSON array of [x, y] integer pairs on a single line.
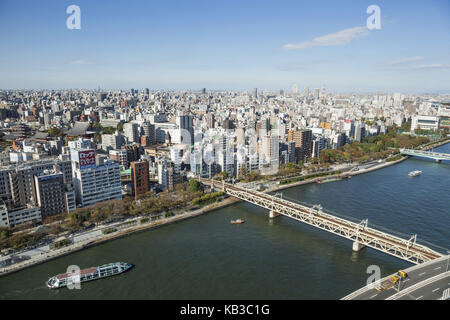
[[432, 66], [293, 68], [81, 62], [340, 38], [405, 60]]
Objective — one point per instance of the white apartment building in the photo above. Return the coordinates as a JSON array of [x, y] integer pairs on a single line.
[[425, 123], [14, 217], [130, 131], [112, 141], [95, 182], [81, 143]]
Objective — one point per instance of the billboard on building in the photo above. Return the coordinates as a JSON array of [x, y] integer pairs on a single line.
[[85, 158]]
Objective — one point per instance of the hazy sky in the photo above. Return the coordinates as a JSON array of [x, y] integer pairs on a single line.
[[187, 44]]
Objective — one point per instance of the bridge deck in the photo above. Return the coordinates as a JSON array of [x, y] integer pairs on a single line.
[[360, 233], [426, 154]]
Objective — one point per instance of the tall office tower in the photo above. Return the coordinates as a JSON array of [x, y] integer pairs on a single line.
[[358, 133], [291, 151], [130, 131], [255, 93], [147, 91], [270, 149], [316, 93], [240, 136], [306, 91], [349, 128], [228, 124], [303, 143], [226, 155], [294, 89], [204, 91], [265, 127], [101, 96], [167, 177], [149, 132], [210, 120], [139, 177], [94, 182], [50, 193], [198, 167], [112, 141], [318, 144], [185, 122]]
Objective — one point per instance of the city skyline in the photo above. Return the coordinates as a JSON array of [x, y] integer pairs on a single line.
[[226, 46]]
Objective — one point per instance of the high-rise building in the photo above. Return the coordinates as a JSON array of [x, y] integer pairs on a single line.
[[130, 131], [139, 177], [255, 93], [210, 120], [270, 149], [228, 124], [303, 143], [294, 89], [149, 132], [358, 132], [185, 125], [167, 176], [133, 152], [50, 193], [225, 155], [306, 91], [112, 141], [316, 93], [94, 182], [318, 144], [119, 156]]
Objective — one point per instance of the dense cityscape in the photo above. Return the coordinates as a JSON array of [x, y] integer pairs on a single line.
[[233, 150], [63, 150]]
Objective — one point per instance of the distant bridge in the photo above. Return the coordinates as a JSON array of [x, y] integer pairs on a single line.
[[359, 233], [437, 156]]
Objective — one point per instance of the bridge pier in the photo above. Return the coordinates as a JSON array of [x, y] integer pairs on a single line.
[[357, 246], [273, 214]]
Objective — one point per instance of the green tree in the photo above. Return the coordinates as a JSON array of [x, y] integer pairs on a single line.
[[55, 132], [195, 185]]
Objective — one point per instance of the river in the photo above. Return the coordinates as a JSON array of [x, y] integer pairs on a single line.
[[208, 258]]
